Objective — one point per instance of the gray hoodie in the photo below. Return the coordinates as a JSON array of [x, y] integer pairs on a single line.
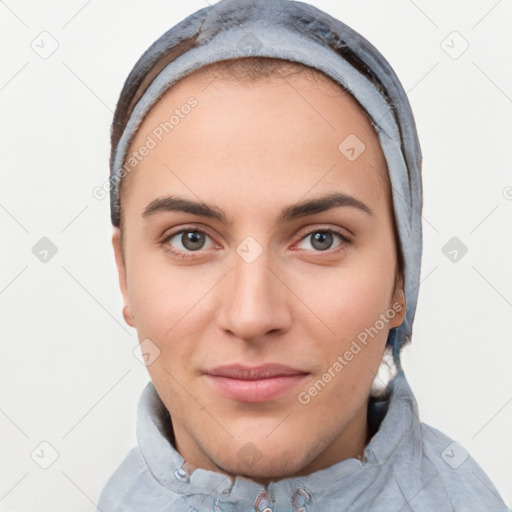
[[407, 466]]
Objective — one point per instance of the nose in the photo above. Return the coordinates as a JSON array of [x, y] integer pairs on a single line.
[[254, 301]]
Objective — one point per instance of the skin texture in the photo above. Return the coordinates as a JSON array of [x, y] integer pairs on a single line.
[[252, 150]]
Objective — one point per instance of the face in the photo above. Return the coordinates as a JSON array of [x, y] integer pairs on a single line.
[[259, 268]]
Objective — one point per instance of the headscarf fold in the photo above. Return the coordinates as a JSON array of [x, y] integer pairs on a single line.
[[298, 32]]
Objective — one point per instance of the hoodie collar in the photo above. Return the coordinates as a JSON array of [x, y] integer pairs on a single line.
[[396, 444]]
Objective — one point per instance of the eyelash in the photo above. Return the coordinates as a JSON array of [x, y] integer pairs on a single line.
[[190, 254]]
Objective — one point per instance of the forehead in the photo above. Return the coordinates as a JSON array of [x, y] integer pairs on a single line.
[[289, 122]]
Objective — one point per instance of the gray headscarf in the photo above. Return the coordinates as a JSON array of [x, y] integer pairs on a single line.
[[299, 32]]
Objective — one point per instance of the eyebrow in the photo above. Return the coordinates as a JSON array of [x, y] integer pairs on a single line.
[[292, 212]]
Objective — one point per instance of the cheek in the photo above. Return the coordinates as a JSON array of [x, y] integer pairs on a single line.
[[352, 296], [352, 330], [170, 306], [163, 309], [157, 295], [349, 300]]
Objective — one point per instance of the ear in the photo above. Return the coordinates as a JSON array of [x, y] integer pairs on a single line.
[[123, 282], [398, 303]]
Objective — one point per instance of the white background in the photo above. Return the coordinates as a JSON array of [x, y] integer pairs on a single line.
[[68, 375]]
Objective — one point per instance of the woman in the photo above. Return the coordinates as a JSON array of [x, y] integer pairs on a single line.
[[266, 202]]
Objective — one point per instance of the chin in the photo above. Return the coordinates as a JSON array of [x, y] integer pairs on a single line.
[[262, 467], [264, 472]]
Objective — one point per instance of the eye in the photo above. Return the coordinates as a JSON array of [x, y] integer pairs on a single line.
[[186, 241], [322, 239]]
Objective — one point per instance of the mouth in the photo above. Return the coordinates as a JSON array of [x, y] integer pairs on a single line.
[[254, 384]]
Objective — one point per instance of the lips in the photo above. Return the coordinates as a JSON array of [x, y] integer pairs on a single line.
[[254, 384]]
